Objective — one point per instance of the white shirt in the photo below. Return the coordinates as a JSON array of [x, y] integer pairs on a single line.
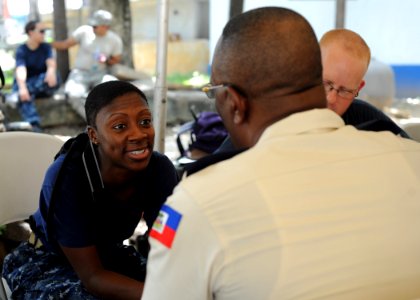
[[92, 48], [315, 210]]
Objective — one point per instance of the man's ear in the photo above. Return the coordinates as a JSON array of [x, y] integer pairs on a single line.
[[238, 105], [362, 84]]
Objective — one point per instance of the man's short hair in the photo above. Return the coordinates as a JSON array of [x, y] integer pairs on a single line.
[[269, 48], [349, 41]]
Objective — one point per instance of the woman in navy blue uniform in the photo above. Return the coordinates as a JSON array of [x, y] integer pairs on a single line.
[[94, 194]]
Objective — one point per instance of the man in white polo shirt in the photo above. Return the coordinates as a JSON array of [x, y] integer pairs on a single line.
[[313, 209], [99, 49]]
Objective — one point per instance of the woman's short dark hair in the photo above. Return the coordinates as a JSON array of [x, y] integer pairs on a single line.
[[104, 93], [30, 26]]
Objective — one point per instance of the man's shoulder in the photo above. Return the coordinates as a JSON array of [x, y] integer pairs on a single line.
[[359, 104], [113, 35], [363, 103], [45, 46], [82, 30], [210, 160], [361, 111], [365, 116], [23, 48]]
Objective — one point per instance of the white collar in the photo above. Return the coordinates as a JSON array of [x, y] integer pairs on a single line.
[[315, 120]]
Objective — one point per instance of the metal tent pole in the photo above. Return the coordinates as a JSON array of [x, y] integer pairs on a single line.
[[340, 13], [160, 93]]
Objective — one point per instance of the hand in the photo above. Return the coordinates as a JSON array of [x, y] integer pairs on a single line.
[[51, 79], [24, 94], [112, 60]]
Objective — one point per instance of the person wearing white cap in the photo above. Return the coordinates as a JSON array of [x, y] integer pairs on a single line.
[[99, 48]]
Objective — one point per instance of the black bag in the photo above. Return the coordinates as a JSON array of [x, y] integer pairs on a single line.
[[124, 259]]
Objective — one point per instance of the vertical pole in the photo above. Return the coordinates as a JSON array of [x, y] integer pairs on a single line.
[[60, 33], [340, 13], [34, 11], [159, 98], [236, 7]]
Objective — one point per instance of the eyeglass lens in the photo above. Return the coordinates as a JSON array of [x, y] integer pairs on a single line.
[[341, 92]]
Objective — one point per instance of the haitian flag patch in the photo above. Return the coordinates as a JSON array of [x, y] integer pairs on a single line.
[[165, 225]]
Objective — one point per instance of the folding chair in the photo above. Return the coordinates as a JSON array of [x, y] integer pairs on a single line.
[[413, 130], [24, 158]]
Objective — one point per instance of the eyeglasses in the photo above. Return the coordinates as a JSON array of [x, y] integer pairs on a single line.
[[342, 92], [42, 31], [210, 89]]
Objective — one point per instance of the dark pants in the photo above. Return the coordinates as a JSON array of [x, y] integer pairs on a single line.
[[38, 274]]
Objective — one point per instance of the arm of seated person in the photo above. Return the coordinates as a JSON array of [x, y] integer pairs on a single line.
[[21, 75], [98, 281], [65, 44], [50, 76]]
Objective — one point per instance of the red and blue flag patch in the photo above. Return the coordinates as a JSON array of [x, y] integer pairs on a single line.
[[165, 226]]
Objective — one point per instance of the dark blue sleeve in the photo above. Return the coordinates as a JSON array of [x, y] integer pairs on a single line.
[[40, 216], [72, 212], [20, 56], [70, 223]]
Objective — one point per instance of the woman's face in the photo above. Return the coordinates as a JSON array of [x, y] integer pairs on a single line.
[[124, 134]]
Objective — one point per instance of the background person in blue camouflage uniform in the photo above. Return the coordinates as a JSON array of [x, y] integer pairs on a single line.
[[35, 74]]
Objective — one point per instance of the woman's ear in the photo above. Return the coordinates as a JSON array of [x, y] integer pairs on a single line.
[[238, 105], [92, 135]]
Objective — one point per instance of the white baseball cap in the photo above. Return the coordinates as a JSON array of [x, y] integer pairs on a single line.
[[100, 17]]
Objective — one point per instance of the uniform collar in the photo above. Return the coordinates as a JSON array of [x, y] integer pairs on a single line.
[[311, 121]]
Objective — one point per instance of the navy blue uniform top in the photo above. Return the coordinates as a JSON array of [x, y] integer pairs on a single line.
[[33, 60], [365, 116], [80, 220]]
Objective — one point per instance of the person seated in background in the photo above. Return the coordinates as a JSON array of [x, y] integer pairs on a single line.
[[101, 184], [313, 209], [99, 48], [345, 60], [35, 74]]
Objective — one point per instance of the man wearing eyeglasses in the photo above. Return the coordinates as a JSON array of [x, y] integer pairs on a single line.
[[345, 60], [313, 209], [99, 48], [35, 73]]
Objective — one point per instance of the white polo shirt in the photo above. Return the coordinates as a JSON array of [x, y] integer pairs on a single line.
[[92, 47], [315, 210]]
